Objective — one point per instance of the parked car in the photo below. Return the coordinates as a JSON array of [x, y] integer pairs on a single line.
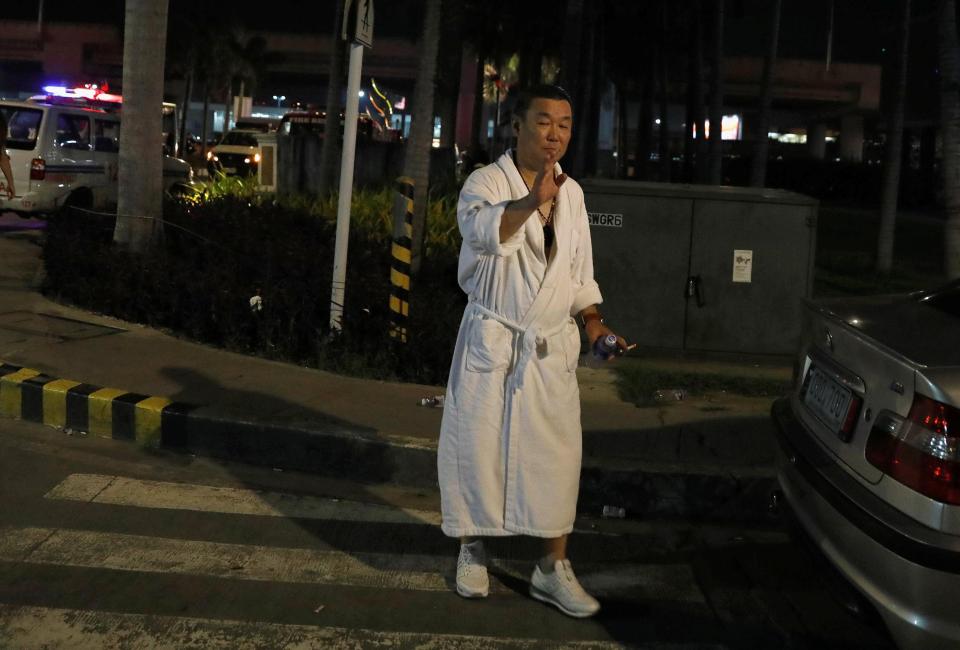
[[237, 154], [869, 453], [68, 154]]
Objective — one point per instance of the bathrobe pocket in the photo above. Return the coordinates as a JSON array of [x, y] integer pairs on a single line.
[[571, 345], [488, 346]]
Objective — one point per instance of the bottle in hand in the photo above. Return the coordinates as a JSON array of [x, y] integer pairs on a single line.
[[605, 347]]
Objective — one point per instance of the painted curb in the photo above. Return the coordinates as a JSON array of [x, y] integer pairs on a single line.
[[29, 394], [352, 454]]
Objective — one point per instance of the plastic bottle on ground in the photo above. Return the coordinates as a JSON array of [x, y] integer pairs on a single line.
[[669, 394], [613, 512]]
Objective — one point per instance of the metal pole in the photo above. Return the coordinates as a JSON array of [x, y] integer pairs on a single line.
[[346, 187], [830, 38], [40, 19]]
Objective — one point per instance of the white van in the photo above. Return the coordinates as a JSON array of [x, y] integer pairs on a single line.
[[68, 155]]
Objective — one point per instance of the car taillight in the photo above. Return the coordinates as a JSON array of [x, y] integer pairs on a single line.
[[923, 451], [38, 169]]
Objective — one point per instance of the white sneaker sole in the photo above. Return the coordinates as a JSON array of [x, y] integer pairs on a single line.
[[465, 593], [543, 596]]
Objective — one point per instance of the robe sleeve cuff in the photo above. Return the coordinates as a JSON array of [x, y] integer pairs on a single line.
[[586, 295], [482, 231]]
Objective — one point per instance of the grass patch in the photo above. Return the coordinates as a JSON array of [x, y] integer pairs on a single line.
[[637, 383]]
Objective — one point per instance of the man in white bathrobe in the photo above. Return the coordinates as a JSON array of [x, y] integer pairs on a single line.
[[510, 441]]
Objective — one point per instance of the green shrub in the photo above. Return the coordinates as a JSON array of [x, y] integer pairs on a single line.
[[226, 244]]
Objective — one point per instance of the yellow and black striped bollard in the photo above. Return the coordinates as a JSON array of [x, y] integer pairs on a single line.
[[400, 264]]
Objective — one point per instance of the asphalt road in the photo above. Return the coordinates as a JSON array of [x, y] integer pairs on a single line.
[[104, 545]]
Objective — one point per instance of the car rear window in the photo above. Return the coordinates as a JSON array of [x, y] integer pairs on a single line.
[[23, 127], [946, 299], [240, 139]]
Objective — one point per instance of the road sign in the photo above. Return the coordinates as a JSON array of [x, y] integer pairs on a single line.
[[358, 22]]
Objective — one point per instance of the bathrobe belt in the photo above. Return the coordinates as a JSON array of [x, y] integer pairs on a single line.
[[525, 342]]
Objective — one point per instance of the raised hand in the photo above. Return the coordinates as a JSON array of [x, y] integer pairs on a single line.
[[547, 184]]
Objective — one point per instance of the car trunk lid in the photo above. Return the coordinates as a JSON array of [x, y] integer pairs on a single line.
[[843, 358]]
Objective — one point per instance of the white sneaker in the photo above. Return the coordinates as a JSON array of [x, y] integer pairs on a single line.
[[562, 589], [472, 579]]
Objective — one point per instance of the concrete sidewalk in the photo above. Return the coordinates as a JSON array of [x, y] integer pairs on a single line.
[[709, 457]]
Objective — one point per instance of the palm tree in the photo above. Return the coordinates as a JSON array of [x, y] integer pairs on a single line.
[[892, 154], [331, 129], [416, 163], [140, 180], [448, 73], [758, 170], [716, 98], [950, 132], [663, 86]]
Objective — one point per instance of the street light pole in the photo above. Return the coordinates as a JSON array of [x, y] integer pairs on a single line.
[[345, 196], [361, 16]]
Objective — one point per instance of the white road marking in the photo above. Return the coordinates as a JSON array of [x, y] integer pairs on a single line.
[[324, 565], [29, 628], [118, 490], [122, 552]]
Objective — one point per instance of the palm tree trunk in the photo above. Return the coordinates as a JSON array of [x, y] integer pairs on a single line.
[[140, 180], [892, 155], [645, 121], [417, 161], [205, 132], [187, 95], [758, 167], [666, 162], [586, 101], [477, 116], [716, 98], [622, 126], [449, 73], [331, 128], [950, 130], [228, 106], [699, 114]]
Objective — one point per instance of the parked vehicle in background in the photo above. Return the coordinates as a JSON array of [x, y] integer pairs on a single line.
[[869, 453], [259, 124], [316, 122], [68, 155], [236, 154]]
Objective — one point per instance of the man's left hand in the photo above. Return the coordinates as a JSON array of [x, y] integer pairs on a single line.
[[595, 329]]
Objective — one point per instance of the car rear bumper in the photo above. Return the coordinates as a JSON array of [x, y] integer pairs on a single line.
[[28, 203], [909, 572]]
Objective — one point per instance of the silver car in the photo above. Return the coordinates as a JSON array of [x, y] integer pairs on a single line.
[[869, 453]]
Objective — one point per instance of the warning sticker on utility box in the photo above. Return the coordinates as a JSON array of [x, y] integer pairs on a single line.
[[605, 219], [742, 266]]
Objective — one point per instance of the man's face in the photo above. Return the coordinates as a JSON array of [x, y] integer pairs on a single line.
[[545, 130]]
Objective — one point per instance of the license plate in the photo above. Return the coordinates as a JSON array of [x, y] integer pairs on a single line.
[[828, 399], [229, 170]]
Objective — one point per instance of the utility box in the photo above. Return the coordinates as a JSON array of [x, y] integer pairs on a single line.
[[702, 268], [267, 170]]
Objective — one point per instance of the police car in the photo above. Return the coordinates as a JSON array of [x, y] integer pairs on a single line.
[[66, 153]]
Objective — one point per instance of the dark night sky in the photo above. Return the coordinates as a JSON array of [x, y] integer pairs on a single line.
[[394, 18], [862, 28], [865, 31]]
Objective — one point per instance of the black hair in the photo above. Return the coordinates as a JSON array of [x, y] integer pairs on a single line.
[[540, 91]]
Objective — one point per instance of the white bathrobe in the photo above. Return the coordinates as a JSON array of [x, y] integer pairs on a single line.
[[510, 440]]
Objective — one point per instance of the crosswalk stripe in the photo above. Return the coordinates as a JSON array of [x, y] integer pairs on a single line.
[[30, 628], [118, 490], [236, 561], [322, 565]]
